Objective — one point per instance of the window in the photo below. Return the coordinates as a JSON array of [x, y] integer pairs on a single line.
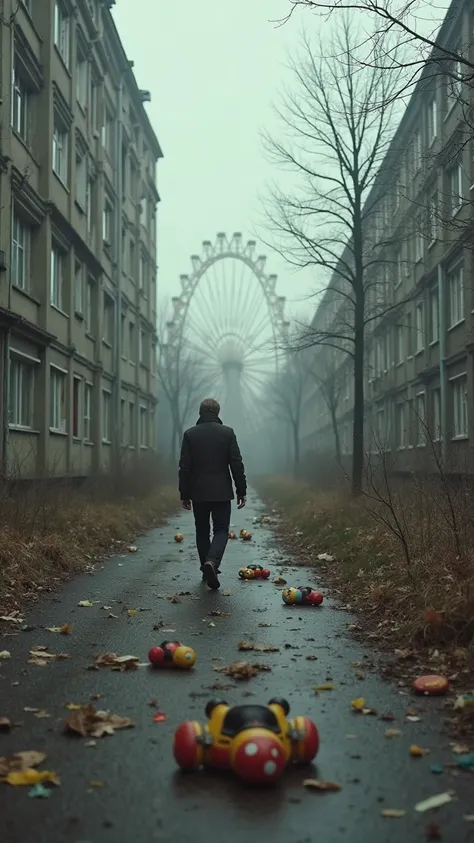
[[132, 259], [143, 427], [81, 78], [123, 334], [107, 222], [432, 218], [144, 347], [399, 344], [62, 31], [420, 415], [78, 287], [57, 388], [87, 411], [400, 427], [108, 135], [434, 315], [109, 314], [131, 343], [81, 180], [143, 207], [20, 254], [419, 245], [89, 304], [409, 334], [76, 403], [94, 104], [89, 204], [60, 152], [420, 326], [432, 121], [57, 297], [21, 394], [416, 151], [144, 276], [454, 86], [459, 402], [123, 422], [455, 189], [106, 416], [455, 279], [131, 423], [20, 97], [436, 420]]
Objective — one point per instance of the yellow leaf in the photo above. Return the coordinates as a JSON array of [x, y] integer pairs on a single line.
[[4, 654], [132, 611], [358, 704], [73, 706], [30, 776], [417, 751], [85, 603], [96, 783], [328, 686]]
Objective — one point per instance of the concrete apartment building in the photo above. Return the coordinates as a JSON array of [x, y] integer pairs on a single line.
[[419, 369], [78, 202]]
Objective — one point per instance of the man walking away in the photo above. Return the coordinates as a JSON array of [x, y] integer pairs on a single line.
[[209, 455]]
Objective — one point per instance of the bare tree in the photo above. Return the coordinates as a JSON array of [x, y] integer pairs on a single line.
[[182, 380], [336, 140], [287, 394]]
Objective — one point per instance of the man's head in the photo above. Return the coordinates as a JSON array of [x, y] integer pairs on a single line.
[[209, 405]]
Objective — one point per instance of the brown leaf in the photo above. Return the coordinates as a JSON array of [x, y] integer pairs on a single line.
[[394, 813], [5, 724], [311, 658], [279, 581], [20, 761], [392, 733], [116, 662], [87, 721], [217, 614], [433, 617], [320, 784], [264, 625], [433, 831], [174, 599], [260, 648], [242, 670]]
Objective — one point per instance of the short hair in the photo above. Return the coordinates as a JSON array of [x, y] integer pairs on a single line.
[[209, 405]]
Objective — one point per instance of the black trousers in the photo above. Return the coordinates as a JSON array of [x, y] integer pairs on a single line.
[[220, 513]]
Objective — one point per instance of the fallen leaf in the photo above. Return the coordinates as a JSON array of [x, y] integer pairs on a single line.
[[20, 761], [39, 791], [394, 813], [242, 670], [433, 831], [433, 617], [413, 718], [392, 733], [174, 599], [5, 654], [311, 658], [116, 662], [18, 778], [327, 686], [73, 706], [417, 751], [132, 612], [434, 802], [260, 648], [227, 592], [459, 748], [159, 717], [42, 714], [217, 614], [41, 658], [279, 581], [132, 548], [388, 717], [469, 818], [65, 629], [12, 618], [320, 784], [90, 743], [358, 704], [265, 625], [96, 783], [87, 604], [5, 724], [87, 721]]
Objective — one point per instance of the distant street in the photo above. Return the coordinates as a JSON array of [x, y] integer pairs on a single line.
[[125, 788]]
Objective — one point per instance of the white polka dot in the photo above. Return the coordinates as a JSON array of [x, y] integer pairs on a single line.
[[275, 753], [270, 768], [251, 749]]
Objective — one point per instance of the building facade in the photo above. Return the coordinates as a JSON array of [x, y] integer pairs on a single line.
[[419, 367], [78, 203]]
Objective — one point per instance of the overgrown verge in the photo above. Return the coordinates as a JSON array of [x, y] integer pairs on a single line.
[[51, 529], [402, 564]]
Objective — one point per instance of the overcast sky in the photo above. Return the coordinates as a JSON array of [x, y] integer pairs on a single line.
[[213, 69]]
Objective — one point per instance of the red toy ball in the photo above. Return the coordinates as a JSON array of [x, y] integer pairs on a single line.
[[156, 655], [259, 760]]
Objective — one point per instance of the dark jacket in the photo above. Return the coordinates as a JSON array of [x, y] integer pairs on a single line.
[[209, 454]]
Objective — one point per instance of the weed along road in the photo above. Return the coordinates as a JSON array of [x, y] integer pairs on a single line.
[[124, 787]]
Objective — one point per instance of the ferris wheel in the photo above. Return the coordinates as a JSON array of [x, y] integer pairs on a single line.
[[231, 323]]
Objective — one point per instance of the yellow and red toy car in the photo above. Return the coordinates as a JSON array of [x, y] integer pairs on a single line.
[[254, 572], [172, 654], [257, 742]]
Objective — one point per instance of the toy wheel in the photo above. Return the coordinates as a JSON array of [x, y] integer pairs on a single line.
[[187, 749], [281, 702], [211, 705], [306, 747]]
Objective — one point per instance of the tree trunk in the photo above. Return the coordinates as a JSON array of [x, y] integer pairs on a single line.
[[296, 450], [335, 428], [359, 337]]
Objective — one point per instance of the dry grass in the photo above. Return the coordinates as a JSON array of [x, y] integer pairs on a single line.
[[423, 601], [46, 536]]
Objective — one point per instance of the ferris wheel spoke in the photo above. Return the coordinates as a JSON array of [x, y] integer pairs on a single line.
[[206, 339], [203, 321]]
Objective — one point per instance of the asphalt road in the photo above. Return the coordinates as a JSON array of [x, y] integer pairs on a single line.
[[143, 798]]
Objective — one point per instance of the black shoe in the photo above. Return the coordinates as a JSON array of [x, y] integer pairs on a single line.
[[209, 574]]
